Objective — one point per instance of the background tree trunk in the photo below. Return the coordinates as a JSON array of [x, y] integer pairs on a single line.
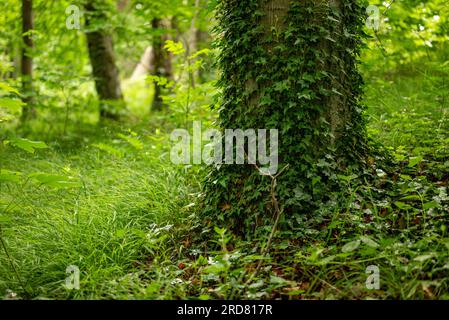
[[26, 59], [145, 65], [160, 60], [102, 58]]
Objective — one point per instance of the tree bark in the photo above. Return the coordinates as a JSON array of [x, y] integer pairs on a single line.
[[145, 65], [193, 43], [26, 59], [290, 66], [160, 61], [104, 69]]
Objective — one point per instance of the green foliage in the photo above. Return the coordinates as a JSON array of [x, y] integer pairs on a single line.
[[105, 197], [25, 144], [276, 79], [9, 106]]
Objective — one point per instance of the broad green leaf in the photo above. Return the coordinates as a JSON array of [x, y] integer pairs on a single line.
[[431, 205], [278, 280], [351, 246], [9, 176], [347, 178], [402, 205], [12, 105], [414, 161], [215, 268], [369, 242], [424, 257], [27, 145], [54, 180]]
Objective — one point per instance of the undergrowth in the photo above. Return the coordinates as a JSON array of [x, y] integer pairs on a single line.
[[128, 218]]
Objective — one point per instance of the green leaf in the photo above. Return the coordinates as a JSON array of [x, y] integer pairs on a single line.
[[174, 47], [369, 242], [424, 257], [9, 176], [431, 205], [136, 143], [27, 145], [7, 88], [411, 198], [54, 180], [347, 178], [278, 280], [326, 260], [199, 53], [215, 268], [402, 205], [351, 246], [109, 149], [12, 105], [295, 292], [414, 161]]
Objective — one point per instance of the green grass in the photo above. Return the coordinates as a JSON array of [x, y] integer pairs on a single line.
[[103, 227], [130, 224]]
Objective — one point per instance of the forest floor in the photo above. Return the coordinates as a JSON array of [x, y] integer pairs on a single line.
[[127, 218]]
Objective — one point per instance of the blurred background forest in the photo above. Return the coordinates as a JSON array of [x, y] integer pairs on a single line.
[[86, 178]]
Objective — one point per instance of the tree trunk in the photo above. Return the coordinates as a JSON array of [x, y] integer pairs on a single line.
[[160, 61], [122, 5], [26, 59], [145, 65], [193, 43], [293, 69], [102, 58]]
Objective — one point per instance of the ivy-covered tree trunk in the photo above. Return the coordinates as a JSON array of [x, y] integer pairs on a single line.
[[27, 60], [290, 66], [102, 58]]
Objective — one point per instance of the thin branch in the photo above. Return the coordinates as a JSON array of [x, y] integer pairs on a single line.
[[278, 212]]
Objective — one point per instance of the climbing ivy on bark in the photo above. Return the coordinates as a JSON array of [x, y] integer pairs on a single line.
[[291, 66]]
